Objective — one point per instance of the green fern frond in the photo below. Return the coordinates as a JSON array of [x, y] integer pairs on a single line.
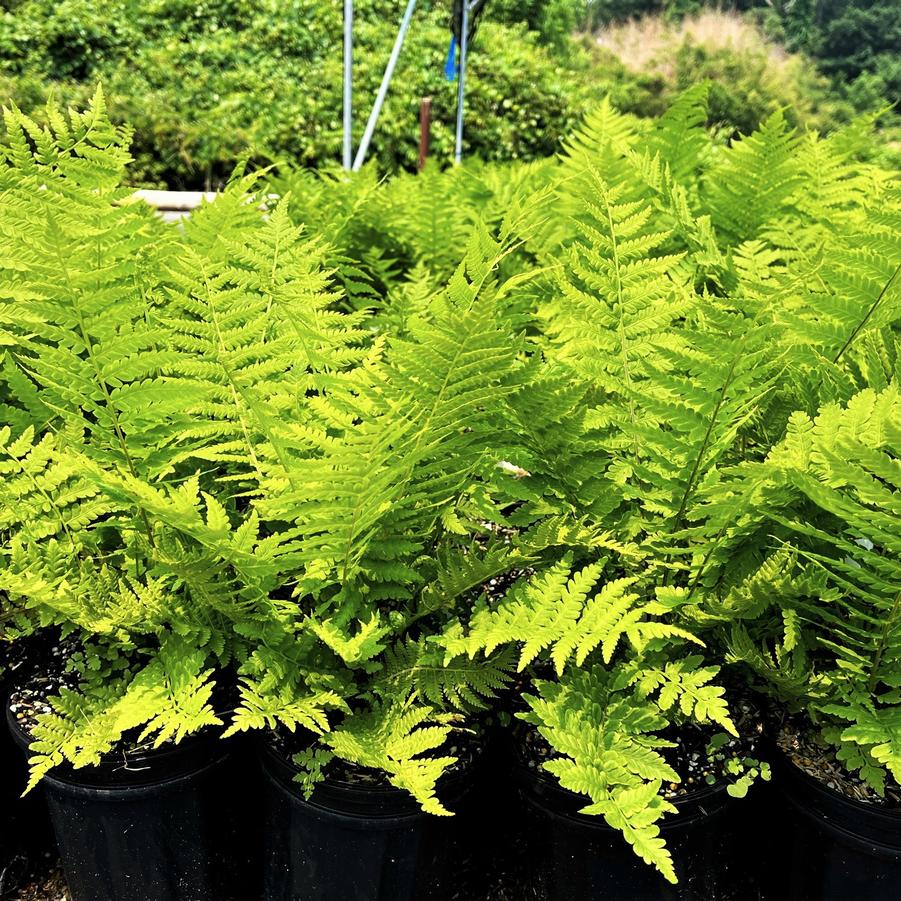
[[269, 709], [876, 735], [608, 749], [418, 669], [755, 180], [685, 684], [169, 698], [680, 137], [397, 740], [616, 290], [558, 611], [422, 433], [604, 131]]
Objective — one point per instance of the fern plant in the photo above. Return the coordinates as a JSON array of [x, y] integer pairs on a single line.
[[146, 375], [825, 636], [611, 670], [389, 523], [237, 477], [349, 464], [668, 346]]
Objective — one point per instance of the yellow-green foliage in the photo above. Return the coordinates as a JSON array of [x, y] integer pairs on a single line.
[[613, 422]]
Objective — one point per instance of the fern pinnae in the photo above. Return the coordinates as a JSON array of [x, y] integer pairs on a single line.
[[867, 316]]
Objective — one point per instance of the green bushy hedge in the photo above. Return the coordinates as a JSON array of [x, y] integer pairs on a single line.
[[852, 41], [204, 81]]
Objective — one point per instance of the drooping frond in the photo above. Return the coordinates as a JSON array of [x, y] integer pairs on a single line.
[[607, 748], [283, 707], [397, 740], [43, 491], [167, 699]]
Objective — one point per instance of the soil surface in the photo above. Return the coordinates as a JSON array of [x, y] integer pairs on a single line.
[[44, 882], [698, 763], [809, 753], [30, 697], [49, 886]]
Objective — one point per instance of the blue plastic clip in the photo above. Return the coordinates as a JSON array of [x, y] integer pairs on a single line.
[[451, 68]]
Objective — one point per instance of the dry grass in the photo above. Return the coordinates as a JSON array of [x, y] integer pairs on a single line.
[[648, 44]]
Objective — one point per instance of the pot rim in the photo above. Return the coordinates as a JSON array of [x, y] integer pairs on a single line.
[[352, 799], [151, 769], [852, 804]]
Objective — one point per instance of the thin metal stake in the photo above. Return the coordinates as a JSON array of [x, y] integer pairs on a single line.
[[348, 83], [461, 81], [383, 88]]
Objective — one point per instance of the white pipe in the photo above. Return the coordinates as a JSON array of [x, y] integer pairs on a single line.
[[461, 81], [182, 201], [383, 88], [348, 83]]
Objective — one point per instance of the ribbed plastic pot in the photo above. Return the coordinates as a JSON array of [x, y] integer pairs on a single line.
[[579, 857], [157, 826], [24, 827], [354, 842], [838, 849]]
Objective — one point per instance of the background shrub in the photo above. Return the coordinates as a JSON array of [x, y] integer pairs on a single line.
[[206, 83], [750, 76]]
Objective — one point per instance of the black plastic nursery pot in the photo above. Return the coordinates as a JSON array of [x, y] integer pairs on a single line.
[[15, 812], [355, 841], [576, 856], [24, 826], [836, 848], [150, 826], [12, 784]]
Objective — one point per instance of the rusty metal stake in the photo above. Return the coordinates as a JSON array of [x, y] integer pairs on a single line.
[[425, 128]]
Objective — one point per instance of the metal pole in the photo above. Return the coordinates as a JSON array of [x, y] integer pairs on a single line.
[[383, 88], [461, 80], [348, 83]]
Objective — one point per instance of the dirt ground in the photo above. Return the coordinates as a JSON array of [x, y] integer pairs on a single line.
[[50, 887], [48, 884], [43, 882]]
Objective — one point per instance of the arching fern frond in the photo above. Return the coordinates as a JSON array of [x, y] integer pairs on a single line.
[[167, 699], [558, 611], [397, 739], [419, 669], [608, 748]]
